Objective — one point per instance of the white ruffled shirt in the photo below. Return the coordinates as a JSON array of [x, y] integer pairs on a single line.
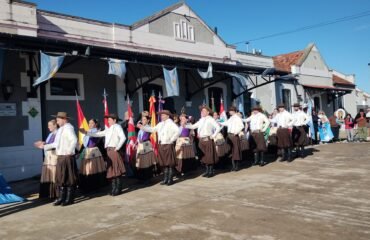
[[114, 136], [258, 122], [300, 118], [167, 130], [234, 124], [283, 119], [65, 141], [207, 127]]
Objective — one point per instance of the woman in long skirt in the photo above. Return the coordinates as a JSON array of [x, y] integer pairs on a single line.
[[93, 169], [185, 156], [47, 183], [145, 156]]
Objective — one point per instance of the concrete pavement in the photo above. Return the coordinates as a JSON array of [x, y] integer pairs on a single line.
[[324, 196]]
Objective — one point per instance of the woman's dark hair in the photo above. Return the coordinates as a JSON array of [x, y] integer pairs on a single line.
[[96, 121]]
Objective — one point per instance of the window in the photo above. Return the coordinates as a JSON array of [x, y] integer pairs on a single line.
[[64, 86], [286, 99], [184, 31]]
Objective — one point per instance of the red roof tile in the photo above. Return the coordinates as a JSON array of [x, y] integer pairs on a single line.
[[284, 62], [341, 81]]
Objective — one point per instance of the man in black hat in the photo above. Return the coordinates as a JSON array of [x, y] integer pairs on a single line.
[[258, 124], [234, 126], [284, 121], [114, 139], [168, 132], [299, 134], [208, 129], [66, 170]]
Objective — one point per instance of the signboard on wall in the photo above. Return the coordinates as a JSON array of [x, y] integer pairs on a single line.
[[8, 110]]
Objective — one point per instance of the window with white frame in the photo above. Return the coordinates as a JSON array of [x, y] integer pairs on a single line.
[[65, 86], [184, 31]]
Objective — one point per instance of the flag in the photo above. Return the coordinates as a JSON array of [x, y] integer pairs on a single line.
[[160, 106], [172, 82], [106, 112], [208, 73], [240, 84], [310, 123], [81, 122], [49, 67], [153, 123], [117, 67], [223, 116], [213, 104], [131, 135]]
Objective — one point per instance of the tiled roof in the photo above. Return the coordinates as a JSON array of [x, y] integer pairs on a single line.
[[284, 62], [341, 81]]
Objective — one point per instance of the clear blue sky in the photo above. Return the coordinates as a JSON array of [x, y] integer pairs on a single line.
[[345, 46]]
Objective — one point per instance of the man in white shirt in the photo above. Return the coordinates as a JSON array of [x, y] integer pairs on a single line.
[[168, 132], [284, 121], [299, 134], [114, 139], [208, 128], [234, 126], [258, 124], [66, 170]]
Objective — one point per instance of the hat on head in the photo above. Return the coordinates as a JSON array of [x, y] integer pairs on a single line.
[[63, 115], [281, 105], [113, 116], [297, 105], [165, 112], [232, 108], [205, 107], [257, 108]]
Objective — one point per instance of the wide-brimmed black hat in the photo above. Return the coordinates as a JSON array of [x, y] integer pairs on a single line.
[[257, 108], [63, 115], [281, 105], [296, 105], [165, 112]]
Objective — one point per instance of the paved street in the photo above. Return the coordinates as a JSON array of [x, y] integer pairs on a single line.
[[324, 196]]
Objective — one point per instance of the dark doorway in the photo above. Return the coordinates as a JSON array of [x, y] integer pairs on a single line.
[[216, 93], [148, 91]]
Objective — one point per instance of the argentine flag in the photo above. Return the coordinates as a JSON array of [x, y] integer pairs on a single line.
[[117, 67], [172, 82], [49, 67]]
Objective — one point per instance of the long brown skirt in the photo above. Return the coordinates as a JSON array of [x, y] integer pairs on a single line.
[[299, 136], [66, 171], [258, 142], [115, 166], [244, 144], [166, 153], [235, 147], [222, 149], [284, 139], [208, 151], [145, 160], [93, 162]]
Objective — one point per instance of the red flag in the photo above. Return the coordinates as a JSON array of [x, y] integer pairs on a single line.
[[131, 136], [81, 122], [106, 112], [153, 123], [223, 116]]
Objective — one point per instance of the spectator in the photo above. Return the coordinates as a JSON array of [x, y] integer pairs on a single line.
[[334, 125], [361, 122], [349, 124]]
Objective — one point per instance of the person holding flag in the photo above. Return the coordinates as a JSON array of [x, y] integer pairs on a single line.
[[66, 173], [93, 169], [131, 144], [114, 139], [208, 129], [168, 132]]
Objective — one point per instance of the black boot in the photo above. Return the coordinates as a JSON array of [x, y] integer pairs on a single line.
[[256, 158], [289, 155], [170, 176], [165, 176], [62, 196], [70, 197], [114, 186], [207, 172], [302, 152], [298, 152], [262, 161], [118, 188], [211, 172], [283, 155], [233, 166], [236, 166]]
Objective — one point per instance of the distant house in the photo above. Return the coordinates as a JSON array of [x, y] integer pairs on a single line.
[[362, 99]]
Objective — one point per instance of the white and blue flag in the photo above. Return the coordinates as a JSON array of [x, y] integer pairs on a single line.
[[208, 73], [117, 67], [240, 83], [172, 82], [49, 67]]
